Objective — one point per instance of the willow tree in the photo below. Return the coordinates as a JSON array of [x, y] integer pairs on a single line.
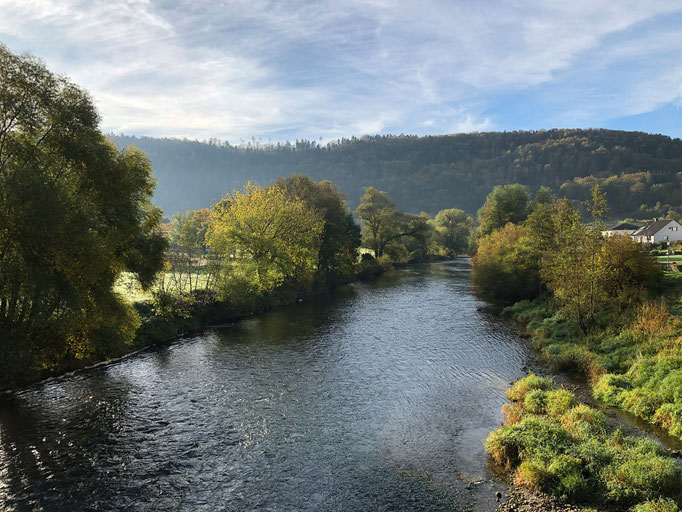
[[74, 213], [266, 235], [506, 203], [453, 230]]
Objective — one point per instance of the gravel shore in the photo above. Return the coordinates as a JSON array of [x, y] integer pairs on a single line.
[[520, 500]]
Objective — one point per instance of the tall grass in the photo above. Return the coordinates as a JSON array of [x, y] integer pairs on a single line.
[[552, 443]]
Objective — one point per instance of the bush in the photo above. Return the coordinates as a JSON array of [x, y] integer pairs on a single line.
[[555, 445], [610, 387], [584, 421], [518, 391], [670, 387], [641, 476], [640, 402], [558, 402], [567, 472], [505, 267], [385, 262], [532, 475], [534, 401], [530, 438], [511, 414], [669, 416]]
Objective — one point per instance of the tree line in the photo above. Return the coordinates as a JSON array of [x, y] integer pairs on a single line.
[[641, 172], [529, 247], [76, 214], [296, 237]]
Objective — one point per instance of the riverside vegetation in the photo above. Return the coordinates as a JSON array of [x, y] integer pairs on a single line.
[[593, 305], [79, 233], [76, 217]]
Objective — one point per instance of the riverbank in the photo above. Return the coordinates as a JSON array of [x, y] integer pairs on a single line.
[[551, 443], [634, 365], [167, 316]]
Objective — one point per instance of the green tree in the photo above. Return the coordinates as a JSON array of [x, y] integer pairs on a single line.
[[74, 213], [570, 266], [378, 215], [340, 237], [506, 265], [267, 235], [506, 203], [384, 227], [453, 230]]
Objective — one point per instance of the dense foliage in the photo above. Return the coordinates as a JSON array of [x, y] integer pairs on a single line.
[[74, 213], [340, 237], [642, 173], [552, 443], [266, 236], [553, 250]]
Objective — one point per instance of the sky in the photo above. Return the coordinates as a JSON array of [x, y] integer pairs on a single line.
[[286, 69]]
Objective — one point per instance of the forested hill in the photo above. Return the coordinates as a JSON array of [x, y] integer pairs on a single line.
[[641, 173]]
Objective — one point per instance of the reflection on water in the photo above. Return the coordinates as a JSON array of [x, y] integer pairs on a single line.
[[376, 398]]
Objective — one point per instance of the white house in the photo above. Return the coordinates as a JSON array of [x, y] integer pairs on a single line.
[[658, 231], [623, 229]]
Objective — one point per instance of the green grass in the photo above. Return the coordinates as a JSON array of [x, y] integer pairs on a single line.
[[673, 291], [128, 286], [673, 258], [635, 365], [552, 443]]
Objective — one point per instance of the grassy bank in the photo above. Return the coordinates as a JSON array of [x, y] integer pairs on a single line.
[[634, 364], [551, 443]]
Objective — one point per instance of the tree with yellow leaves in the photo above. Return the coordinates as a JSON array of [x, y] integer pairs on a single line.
[[266, 235]]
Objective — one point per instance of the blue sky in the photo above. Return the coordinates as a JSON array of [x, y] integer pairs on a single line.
[[286, 70]]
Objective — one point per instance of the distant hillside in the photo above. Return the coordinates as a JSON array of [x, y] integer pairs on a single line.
[[642, 173]]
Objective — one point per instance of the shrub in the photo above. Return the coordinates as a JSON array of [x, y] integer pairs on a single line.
[[534, 401], [609, 388], [533, 475], [530, 438], [659, 505], [558, 402], [555, 445], [504, 446], [584, 421], [653, 320], [518, 391], [385, 262], [669, 416], [511, 414], [568, 475], [596, 454], [640, 402], [505, 267], [670, 387], [641, 476]]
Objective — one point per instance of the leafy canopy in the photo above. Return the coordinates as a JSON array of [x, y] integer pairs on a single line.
[[453, 230], [269, 235], [506, 203], [74, 213]]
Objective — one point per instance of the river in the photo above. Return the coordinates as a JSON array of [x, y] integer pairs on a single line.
[[377, 397]]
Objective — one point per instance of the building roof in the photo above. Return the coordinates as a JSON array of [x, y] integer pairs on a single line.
[[653, 228], [624, 226]]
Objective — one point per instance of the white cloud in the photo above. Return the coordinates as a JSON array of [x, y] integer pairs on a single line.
[[299, 69]]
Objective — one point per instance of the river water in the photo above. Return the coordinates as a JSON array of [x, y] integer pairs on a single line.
[[377, 397]]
